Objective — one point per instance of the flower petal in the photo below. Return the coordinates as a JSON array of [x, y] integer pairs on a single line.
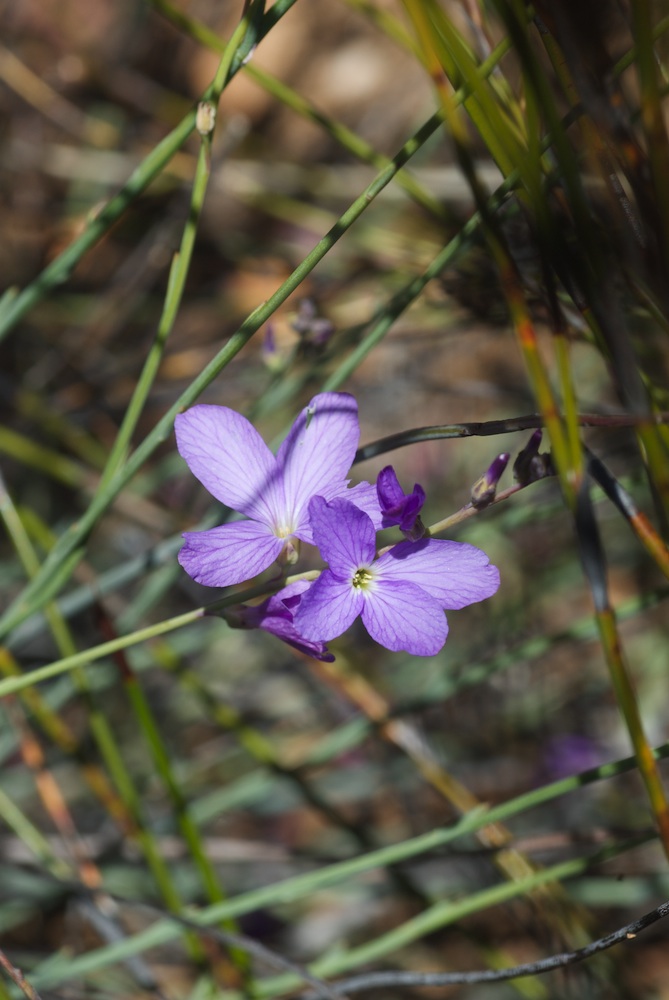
[[288, 633], [273, 616], [455, 573], [365, 498], [390, 493], [231, 460], [344, 535], [319, 450], [278, 620], [398, 507], [291, 594], [231, 553], [401, 616], [328, 608]]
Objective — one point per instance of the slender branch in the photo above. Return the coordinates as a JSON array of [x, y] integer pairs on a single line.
[[17, 977], [259, 951], [375, 980], [488, 428]]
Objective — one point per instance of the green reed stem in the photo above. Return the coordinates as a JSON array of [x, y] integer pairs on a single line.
[[182, 259], [594, 566], [627, 701], [348, 139], [99, 725], [29, 835], [59, 271], [175, 287], [302, 886], [445, 54], [187, 825]]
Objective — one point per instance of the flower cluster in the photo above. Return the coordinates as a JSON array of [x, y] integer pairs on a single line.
[[302, 495]]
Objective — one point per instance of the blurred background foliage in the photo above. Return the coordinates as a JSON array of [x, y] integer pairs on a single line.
[[204, 763]]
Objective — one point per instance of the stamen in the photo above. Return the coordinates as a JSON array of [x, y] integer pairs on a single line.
[[362, 578]]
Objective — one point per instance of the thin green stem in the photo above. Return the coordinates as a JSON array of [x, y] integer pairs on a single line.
[[629, 707], [100, 727], [60, 563], [357, 146], [595, 570], [15, 307], [302, 886], [34, 840], [187, 825], [182, 259]]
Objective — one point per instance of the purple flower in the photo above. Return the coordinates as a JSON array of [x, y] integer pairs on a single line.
[[231, 460], [275, 615], [397, 507], [401, 596], [568, 754]]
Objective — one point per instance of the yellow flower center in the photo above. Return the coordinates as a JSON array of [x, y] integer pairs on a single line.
[[362, 578]]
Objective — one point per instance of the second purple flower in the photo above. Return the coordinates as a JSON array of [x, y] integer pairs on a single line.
[[400, 596]]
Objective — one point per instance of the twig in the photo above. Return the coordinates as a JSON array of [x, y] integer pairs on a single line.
[[260, 951], [375, 980], [487, 428], [227, 938], [17, 977]]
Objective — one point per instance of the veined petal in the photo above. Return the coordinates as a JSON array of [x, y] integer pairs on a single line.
[[231, 553], [291, 594], [344, 535], [398, 507], [288, 633], [328, 608], [231, 460], [365, 498], [319, 449], [401, 616], [455, 573]]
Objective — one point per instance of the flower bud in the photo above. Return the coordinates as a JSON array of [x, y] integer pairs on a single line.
[[485, 488], [530, 465], [400, 508], [314, 330]]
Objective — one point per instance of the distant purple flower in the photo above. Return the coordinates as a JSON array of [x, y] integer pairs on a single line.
[[401, 596], [275, 615], [226, 453], [398, 507], [568, 754], [314, 330]]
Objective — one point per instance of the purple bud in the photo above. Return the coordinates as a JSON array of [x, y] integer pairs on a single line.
[[269, 340], [399, 508], [270, 351], [485, 488], [530, 465]]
